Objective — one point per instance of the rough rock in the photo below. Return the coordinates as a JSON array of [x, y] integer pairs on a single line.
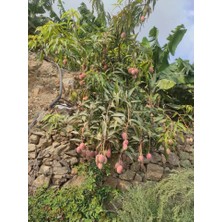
[[167, 170], [155, 158], [124, 185], [75, 181], [127, 175], [29, 168], [34, 139], [60, 170], [111, 181], [138, 178], [188, 148], [43, 143], [30, 180], [163, 159], [154, 172], [32, 155], [135, 166], [31, 147], [41, 181], [184, 155], [46, 170], [173, 159], [73, 161], [55, 144], [185, 163], [60, 149], [71, 153]]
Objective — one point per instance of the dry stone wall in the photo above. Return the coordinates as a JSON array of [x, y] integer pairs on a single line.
[[52, 159]]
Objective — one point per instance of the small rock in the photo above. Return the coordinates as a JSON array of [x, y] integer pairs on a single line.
[[41, 181], [60, 170], [163, 159], [188, 148], [136, 183], [43, 143], [47, 162], [31, 147], [73, 161], [184, 155], [75, 181], [71, 153], [173, 159], [167, 170], [154, 172], [161, 149], [39, 133], [55, 144], [56, 163], [111, 181], [155, 158], [185, 163], [32, 155], [64, 163], [124, 185], [30, 180], [128, 175], [138, 178], [191, 158], [46, 170], [29, 168], [34, 139], [60, 149], [135, 167]]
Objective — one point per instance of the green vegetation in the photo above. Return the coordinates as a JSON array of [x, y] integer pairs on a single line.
[[79, 203], [171, 200]]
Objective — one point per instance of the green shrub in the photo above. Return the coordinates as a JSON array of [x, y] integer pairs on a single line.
[[171, 200], [84, 203]]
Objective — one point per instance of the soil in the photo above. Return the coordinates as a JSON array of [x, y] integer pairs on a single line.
[[43, 84]]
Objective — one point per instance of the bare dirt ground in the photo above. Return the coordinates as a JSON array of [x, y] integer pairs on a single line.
[[43, 84]]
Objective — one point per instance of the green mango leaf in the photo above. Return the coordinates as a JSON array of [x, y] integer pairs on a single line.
[[165, 84]]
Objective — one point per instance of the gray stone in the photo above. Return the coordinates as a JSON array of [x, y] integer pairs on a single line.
[[64, 163], [32, 155], [43, 143], [191, 158], [111, 181], [154, 172], [184, 155], [128, 175], [71, 153], [185, 163], [73, 161], [124, 185], [163, 159], [41, 181], [161, 149], [155, 158], [31, 147], [30, 180], [60, 170], [138, 178], [47, 162], [34, 139], [188, 148], [38, 133], [56, 163], [55, 144], [46, 170], [135, 167], [167, 170], [29, 168], [75, 181], [173, 159], [60, 149]]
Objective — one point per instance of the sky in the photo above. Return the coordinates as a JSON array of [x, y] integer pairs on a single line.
[[167, 15]]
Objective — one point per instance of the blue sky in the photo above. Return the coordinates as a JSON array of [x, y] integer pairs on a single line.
[[166, 16]]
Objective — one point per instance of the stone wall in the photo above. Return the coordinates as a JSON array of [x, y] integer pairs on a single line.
[[52, 161]]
